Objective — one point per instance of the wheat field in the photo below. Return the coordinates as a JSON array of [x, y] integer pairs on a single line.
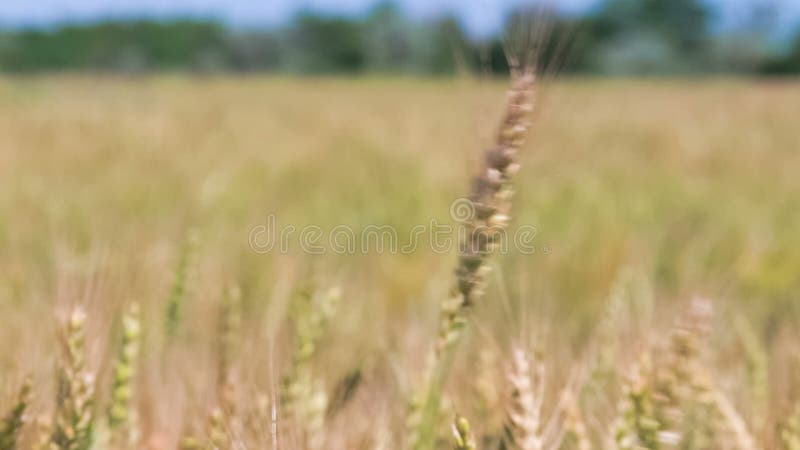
[[655, 307]]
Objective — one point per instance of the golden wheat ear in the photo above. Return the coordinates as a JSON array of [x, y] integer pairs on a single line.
[[74, 417], [524, 403], [576, 435]]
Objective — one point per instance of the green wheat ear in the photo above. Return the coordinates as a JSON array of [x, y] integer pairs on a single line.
[[790, 431], [191, 443], [637, 427], [302, 395], [230, 324], [120, 412], [11, 424], [179, 289], [462, 435]]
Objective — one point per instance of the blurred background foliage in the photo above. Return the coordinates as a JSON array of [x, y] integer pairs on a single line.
[[618, 37]]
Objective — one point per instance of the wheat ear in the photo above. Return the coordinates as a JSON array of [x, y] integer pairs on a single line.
[[488, 209], [576, 432], [637, 427], [75, 399], [121, 416], [790, 431], [487, 216], [462, 435], [302, 395], [524, 410], [11, 424], [676, 386]]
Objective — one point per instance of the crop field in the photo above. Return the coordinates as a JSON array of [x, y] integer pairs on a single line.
[[257, 262]]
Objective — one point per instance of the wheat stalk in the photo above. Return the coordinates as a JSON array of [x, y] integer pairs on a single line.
[[222, 423], [735, 427], [43, 433], [229, 330], [757, 362], [229, 341], [178, 291], [488, 217], [418, 401]]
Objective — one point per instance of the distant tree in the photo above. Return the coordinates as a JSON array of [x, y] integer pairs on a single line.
[[327, 44], [789, 63], [387, 39], [747, 45], [116, 45], [650, 36], [444, 47], [682, 22], [255, 50], [615, 37]]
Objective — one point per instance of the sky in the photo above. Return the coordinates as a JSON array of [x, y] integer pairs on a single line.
[[481, 17]]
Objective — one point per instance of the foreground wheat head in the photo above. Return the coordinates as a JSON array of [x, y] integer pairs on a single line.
[[489, 215], [490, 199]]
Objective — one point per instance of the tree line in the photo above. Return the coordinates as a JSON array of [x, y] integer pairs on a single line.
[[619, 37]]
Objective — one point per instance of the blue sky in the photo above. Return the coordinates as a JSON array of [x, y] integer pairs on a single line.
[[480, 16]]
